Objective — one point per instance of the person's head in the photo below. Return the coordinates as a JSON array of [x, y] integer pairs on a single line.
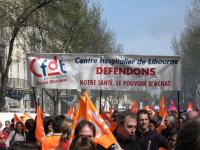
[[83, 143], [156, 120], [57, 122], [143, 120], [152, 124], [66, 128], [50, 126], [151, 113], [85, 129], [1, 124], [7, 124], [127, 124], [30, 125], [19, 127], [172, 137], [114, 115], [12, 121], [189, 136], [66, 125], [170, 121], [48, 122], [191, 114]]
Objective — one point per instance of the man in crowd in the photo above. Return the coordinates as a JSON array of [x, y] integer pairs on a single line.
[[170, 124], [125, 133], [7, 128], [154, 140], [191, 114]]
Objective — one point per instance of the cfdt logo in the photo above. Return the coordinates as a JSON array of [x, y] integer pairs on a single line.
[[42, 67]]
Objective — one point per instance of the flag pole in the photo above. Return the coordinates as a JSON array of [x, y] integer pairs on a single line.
[[42, 99], [179, 114], [100, 102]]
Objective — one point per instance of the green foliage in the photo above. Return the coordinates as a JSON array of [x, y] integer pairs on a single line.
[[188, 46], [63, 26]]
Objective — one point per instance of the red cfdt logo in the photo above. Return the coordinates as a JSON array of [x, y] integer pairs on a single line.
[[47, 67]]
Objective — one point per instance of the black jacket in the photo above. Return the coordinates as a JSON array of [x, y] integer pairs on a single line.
[[155, 140], [131, 144]]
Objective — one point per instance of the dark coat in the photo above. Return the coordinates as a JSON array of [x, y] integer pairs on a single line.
[[155, 140], [131, 144]]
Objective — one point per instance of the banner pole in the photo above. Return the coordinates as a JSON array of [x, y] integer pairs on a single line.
[[35, 101]]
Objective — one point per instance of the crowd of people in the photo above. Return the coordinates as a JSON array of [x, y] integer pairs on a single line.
[[144, 130]]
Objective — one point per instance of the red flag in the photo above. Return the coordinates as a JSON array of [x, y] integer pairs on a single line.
[[149, 110], [86, 110], [70, 113], [25, 117], [16, 119], [134, 108], [39, 131], [110, 111], [190, 107], [111, 124], [163, 109]]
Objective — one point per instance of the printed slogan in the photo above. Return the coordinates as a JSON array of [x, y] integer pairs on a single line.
[[108, 72]]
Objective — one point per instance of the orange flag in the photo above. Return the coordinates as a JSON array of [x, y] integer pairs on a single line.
[[16, 119], [39, 131], [190, 107], [163, 109], [111, 124], [86, 110], [134, 108], [70, 113], [25, 117]]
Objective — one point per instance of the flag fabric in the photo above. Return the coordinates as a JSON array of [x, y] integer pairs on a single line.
[[134, 108], [70, 113], [16, 119], [86, 110], [172, 106], [111, 124], [25, 117], [163, 109], [146, 99], [39, 131], [149, 110], [110, 111], [190, 107]]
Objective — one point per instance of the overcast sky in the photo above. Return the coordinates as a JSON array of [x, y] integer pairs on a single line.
[[145, 27]]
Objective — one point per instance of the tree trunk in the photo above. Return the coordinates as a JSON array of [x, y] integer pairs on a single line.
[[4, 80], [17, 25], [57, 102]]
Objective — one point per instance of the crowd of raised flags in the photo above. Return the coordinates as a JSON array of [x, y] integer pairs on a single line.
[[102, 121]]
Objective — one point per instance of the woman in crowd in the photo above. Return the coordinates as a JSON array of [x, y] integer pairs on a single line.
[[48, 126], [17, 135]]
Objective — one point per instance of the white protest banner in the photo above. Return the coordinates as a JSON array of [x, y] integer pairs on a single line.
[[104, 71]]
